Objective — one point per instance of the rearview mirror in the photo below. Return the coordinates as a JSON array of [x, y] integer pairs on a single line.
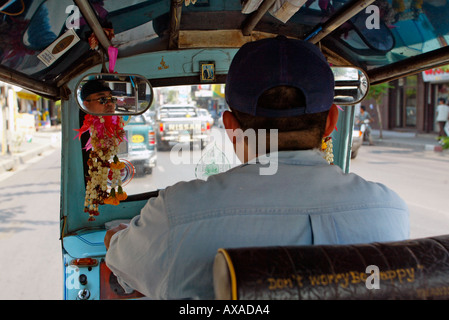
[[114, 94], [351, 85]]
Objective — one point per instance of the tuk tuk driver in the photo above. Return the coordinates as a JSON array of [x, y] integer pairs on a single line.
[[97, 97], [167, 252]]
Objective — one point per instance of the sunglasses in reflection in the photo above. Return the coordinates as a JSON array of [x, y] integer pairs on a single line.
[[104, 100]]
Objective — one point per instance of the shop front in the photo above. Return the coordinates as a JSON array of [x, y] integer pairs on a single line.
[[406, 104], [437, 82], [412, 100]]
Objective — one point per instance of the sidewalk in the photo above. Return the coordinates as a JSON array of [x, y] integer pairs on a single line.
[[409, 140], [41, 141]]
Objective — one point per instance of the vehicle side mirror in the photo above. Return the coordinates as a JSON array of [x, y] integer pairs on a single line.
[[114, 94], [351, 85]]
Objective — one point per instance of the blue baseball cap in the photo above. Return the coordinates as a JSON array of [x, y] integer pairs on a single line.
[[93, 86], [267, 63]]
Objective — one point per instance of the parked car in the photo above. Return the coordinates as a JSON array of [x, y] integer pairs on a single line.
[[139, 148]]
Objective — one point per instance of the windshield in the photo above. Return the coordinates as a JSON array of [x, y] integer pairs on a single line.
[[173, 142]]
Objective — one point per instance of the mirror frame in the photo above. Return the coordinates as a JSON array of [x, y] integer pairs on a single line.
[[117, 113], [363, 78]]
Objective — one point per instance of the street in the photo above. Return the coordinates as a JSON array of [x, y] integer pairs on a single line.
[[31, 263], [30, 250], [421, 178]]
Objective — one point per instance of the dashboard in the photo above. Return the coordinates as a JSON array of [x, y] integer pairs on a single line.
[[86, 275]]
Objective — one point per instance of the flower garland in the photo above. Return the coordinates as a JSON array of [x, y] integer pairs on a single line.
[[328, 149], [106, 134]]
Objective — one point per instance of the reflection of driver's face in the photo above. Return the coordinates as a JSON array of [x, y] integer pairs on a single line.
[[100, 102]]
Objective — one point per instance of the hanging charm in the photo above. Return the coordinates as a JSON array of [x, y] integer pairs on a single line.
[[93, 40], [327, 148], [213, 161]]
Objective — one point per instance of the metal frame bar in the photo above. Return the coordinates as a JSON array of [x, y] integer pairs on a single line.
[[175, 23], [91, 18], [335, 21], [409, 66], [19, 79], [250, 23]]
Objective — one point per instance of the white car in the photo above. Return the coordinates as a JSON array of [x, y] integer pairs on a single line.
[[203, 113]]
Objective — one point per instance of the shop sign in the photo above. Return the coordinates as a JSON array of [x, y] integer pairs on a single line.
[[440, 74], [27, 96]]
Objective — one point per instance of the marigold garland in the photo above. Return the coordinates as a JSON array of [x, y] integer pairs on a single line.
[[328, 149], [106, 134]]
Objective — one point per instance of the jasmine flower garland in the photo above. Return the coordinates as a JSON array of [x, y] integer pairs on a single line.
[[106, 134], [328, 149]]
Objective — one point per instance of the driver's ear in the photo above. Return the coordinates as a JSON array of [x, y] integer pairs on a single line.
[[231, 124], [229, 121], [331, 121]]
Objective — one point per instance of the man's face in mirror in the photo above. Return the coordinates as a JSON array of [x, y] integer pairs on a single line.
[[100, 102]]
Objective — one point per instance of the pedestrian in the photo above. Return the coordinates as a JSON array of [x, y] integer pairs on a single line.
[[280, 84], [364, 118], [442, 116]]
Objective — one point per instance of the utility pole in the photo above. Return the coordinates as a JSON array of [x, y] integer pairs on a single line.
[[3, 118], [7, 121]]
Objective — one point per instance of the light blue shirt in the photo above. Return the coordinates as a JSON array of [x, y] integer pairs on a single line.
[[169, 249]]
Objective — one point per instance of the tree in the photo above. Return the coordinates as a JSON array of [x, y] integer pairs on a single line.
[[172, 96], [377, 93]]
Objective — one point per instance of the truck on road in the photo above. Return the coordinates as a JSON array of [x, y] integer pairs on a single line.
[[181, 123]]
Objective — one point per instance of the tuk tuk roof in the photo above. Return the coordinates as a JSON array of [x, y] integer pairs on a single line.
[[388, 39]]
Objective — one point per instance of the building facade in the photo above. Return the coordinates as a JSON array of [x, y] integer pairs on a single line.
[[22, 113], [410, 102]]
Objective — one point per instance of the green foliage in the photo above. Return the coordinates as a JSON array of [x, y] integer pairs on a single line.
[[377, 91], [444, 141], [172, 96]]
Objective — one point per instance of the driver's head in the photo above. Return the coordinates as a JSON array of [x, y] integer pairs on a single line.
[[284, 84], [97, 97]]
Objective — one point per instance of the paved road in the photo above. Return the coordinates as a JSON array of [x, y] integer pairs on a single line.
[[421, 178], [30, 253]]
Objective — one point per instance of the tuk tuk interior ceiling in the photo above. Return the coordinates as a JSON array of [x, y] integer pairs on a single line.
[[382, 33]]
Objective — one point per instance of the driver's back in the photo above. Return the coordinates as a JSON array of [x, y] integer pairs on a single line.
[[307, 201]]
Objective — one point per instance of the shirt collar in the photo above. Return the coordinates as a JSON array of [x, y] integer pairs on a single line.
[[300, 157]]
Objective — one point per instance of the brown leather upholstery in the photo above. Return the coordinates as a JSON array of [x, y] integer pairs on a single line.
[[412, 269]]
